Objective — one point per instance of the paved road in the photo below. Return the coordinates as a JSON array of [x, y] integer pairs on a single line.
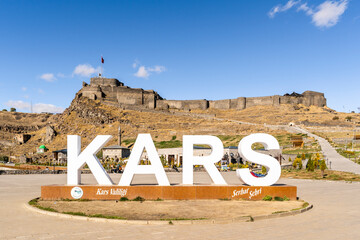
[[335, 214], [338, 162]]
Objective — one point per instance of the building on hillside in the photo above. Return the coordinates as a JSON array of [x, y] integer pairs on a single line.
[[113, 92], [42, 149], [60, 156]]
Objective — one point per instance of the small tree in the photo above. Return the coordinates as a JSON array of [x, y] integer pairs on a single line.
[[316, 163], [297, 163], [12, 109], [310, 165], [322, 167], [290, 159], [4, 110], [163, 160], [303, 157], [348, 118]]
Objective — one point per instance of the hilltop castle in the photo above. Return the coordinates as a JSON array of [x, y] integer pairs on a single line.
[[111, 90]]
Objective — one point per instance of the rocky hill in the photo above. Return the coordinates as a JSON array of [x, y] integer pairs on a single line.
[[88, 118]]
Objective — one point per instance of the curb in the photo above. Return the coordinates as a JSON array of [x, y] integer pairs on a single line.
[[167, 222], [284, 214]]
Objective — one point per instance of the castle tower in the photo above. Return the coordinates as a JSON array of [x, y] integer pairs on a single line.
[[119, 138]]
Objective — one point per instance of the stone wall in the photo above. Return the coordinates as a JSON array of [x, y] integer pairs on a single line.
[[111, 90]]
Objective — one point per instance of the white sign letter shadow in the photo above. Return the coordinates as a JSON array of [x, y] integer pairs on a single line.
[[207, 161], [245, 150], [77, 159], [142, 142]]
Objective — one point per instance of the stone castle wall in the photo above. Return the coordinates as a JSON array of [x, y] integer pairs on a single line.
[[113, 91]]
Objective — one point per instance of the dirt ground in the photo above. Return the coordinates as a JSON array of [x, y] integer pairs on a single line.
[[174, 209]]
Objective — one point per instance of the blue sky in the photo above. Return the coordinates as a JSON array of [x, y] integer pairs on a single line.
[[182, 49]]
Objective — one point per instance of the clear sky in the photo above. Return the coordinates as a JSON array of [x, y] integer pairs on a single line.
[[186, 49]]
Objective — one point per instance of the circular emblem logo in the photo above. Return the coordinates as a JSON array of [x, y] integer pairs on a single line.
[[76, 192]]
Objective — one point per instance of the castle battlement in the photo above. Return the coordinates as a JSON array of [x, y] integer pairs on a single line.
[[112, 90]]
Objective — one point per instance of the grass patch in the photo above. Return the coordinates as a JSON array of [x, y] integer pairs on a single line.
[[105, 216], [305, 205], [168, 144], [34, 203], [75, 200], [76, 213], [329, 175], [181, 219], [277, 212]]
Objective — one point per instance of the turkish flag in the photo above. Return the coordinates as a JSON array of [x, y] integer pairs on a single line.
[[102, 60]]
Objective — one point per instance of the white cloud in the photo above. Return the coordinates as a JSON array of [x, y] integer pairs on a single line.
[[40, 91], [85, 70], [136, 63], [37, 108], [24, 89], [49, 77], [157, 69], [18, 105], [145, 72], [327, 14], [43, 107], [304, 7], [279, 8], [142, 72]]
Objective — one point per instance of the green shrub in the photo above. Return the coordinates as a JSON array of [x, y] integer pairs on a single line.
[[267, 198], [173, 138], [290, 159], [140, 199], [12, 109], [286, 198], [278, 199], [123, 199], [336, 118]]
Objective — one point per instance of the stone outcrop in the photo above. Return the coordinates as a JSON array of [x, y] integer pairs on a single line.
[[112, 91], [50, 134]]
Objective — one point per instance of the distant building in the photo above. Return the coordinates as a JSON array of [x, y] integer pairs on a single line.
[[116, 152], [174, 156], [42, 149], [60, 156]]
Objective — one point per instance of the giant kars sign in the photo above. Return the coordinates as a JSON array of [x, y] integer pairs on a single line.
[[77, 159], [255, 188]]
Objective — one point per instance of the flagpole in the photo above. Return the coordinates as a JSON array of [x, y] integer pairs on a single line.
[[101, 66]]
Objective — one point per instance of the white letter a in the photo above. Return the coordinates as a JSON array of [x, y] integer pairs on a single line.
[[144, 141]]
